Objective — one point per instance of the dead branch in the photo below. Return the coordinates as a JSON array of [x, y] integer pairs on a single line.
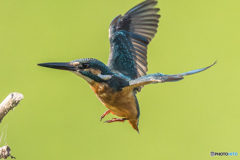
[[9, 103], [5, 152]]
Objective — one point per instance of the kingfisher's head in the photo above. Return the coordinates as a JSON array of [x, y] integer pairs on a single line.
[[88, 68]]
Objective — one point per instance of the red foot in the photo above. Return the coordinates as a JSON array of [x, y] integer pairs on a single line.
[[104, 114], [116, 120]]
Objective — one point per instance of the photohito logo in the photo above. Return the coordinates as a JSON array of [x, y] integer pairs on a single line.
[[223, 153]]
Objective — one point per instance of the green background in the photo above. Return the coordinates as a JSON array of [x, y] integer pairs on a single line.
[[59, 115]]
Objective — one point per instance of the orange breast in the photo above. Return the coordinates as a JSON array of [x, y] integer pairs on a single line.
[[121, 103]]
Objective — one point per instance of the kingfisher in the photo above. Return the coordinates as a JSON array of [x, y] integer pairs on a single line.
[[117, 83]]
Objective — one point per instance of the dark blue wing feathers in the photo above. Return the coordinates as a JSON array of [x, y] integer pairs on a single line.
[[161, 78], [129, 36], [134, 36], [121, 60]]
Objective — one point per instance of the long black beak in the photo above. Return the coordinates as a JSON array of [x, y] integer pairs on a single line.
[[62, 66]]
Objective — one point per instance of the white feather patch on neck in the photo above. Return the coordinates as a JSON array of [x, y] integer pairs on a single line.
[[104, 77]]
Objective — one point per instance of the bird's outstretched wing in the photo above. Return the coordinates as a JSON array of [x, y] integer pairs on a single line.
[[161, 78], [129, 36]]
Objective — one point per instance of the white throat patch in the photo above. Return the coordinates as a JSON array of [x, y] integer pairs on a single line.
[[84, 77], [103, 77]]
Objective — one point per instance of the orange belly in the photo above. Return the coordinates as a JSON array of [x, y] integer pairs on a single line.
[[121, 103]]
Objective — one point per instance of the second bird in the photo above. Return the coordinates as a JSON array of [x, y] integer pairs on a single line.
[[117, 83]]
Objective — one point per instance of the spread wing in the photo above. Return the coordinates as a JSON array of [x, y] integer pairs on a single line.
[[129, 36], [161, 78]]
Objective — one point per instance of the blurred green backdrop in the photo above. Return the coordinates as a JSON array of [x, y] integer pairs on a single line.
[[59, 116]]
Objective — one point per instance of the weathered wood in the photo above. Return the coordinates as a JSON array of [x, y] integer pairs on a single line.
[[5, 152], [9, 103]]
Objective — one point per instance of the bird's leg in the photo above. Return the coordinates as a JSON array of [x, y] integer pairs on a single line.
[[104, 114], [116, 120]]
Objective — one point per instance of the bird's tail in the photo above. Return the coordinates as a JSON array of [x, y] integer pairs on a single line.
[[134, 124]]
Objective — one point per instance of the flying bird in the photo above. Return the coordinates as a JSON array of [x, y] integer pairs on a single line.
[[117, 83]]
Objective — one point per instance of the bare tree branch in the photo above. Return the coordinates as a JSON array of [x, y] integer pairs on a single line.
[[5, 152], [9, 103]]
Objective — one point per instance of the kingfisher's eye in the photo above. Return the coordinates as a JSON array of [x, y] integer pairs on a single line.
[[85, 65]]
